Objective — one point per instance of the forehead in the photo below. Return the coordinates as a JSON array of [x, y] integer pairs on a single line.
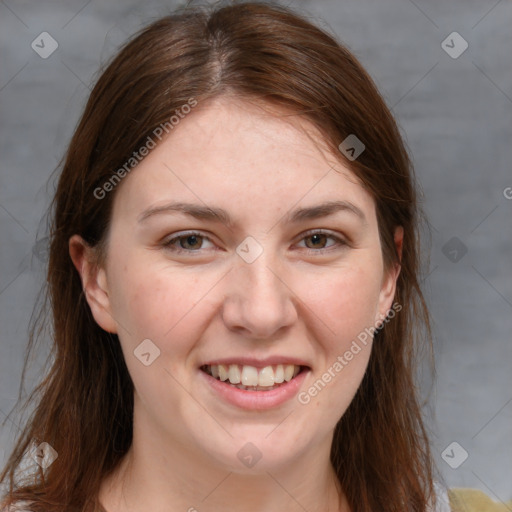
[[239, 155]]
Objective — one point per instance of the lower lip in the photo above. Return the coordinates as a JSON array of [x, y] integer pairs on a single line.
[[258, 400]]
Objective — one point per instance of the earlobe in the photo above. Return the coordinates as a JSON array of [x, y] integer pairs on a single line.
[[94, 282]]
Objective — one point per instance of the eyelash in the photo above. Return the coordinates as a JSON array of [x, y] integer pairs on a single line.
[[168, 244]]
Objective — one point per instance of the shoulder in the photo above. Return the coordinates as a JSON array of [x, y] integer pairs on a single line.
[[442, 499], [466, 500], [474, 500], [19, 506]]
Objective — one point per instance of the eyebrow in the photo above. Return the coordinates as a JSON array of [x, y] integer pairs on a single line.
[[222, 216]]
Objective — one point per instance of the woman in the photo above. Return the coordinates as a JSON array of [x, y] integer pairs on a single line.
[[233, 279]]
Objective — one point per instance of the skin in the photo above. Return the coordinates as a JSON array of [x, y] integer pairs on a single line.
[[301, 297]]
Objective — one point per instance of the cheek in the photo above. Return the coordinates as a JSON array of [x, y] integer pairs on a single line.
[[344, 300], [344, 307], [158, 304], [149, 302]]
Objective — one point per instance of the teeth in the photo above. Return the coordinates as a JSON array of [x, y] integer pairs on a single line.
[[249, 376], [279, 374], [223, 372], [288, 372], [234, 374], [266, 376]]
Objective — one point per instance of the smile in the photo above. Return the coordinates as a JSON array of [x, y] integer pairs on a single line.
[[257, 386], [250, 378]]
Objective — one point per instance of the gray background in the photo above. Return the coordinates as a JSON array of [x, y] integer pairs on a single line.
[[455, 114]]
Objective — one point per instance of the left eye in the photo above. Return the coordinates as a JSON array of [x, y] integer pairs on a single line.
[[319, 238], [191, 242]]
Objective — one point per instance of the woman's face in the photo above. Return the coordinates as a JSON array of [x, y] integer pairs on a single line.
[[259, 298]]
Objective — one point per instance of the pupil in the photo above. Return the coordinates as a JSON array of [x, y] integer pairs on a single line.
[[191, 240], [316, 237]]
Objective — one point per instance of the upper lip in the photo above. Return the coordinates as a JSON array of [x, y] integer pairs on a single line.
[[257, 362]]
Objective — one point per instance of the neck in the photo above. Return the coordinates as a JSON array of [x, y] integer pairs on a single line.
[[161, 476]]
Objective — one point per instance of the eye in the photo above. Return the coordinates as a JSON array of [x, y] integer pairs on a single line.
[[188, 242], [192, 242], [318, 239]]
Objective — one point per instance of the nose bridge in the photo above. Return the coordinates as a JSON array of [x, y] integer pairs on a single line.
[[258, 299], [262, 278]]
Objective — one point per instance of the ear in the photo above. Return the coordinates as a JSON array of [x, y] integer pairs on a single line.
[[94, 282], [387, 292]]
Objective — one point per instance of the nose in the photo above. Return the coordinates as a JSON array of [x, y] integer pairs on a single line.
[[259, 302]]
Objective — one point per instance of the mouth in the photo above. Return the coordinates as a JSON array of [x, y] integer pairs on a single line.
[[251, 378]]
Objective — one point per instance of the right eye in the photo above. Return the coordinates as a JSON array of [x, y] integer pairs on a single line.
[[186, 239]]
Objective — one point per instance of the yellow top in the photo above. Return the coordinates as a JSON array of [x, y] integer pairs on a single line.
[[473, 500]]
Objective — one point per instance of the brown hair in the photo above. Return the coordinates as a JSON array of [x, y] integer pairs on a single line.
[[257, 51]]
